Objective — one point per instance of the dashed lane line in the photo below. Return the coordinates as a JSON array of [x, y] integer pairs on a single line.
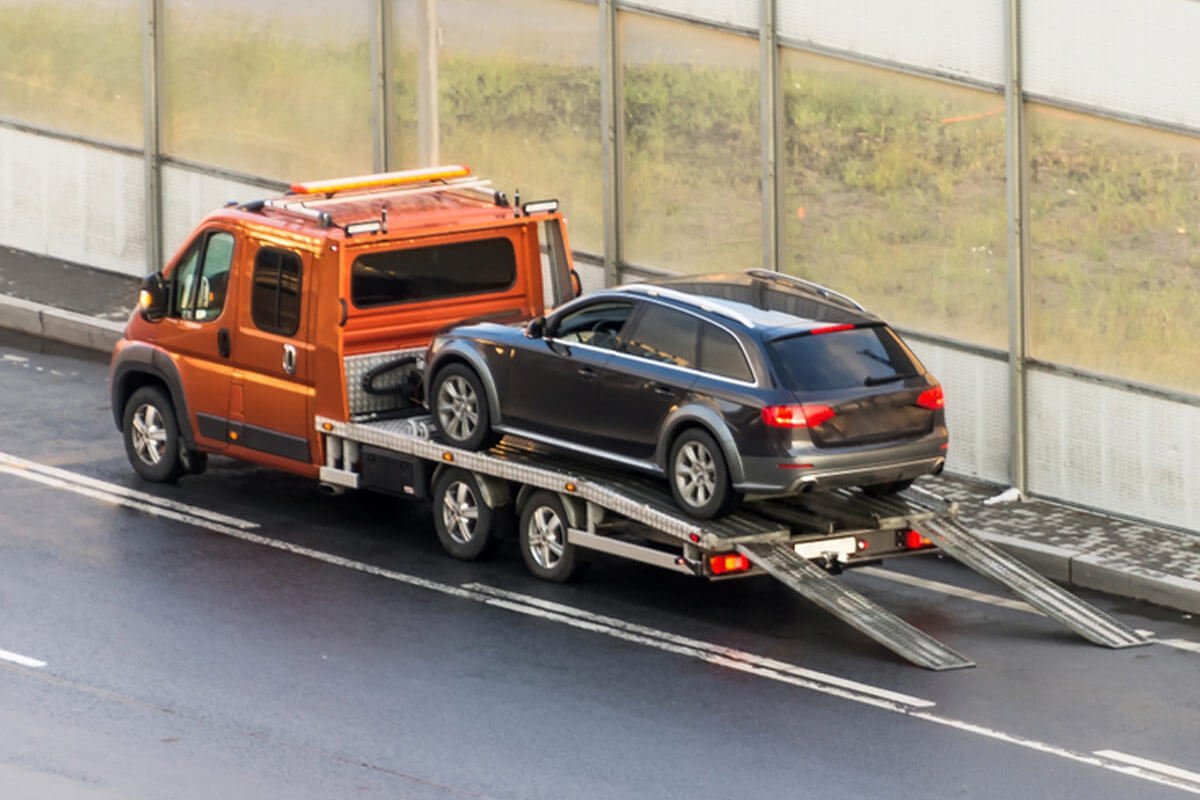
[[24, 661]]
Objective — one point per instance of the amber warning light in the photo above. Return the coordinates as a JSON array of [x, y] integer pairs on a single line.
[[382, 180]]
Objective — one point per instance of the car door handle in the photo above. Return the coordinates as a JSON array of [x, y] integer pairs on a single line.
[[665, 392], [587, 373]]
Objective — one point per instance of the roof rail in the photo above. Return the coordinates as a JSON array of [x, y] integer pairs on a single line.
[[322, 218], [691, 299], [824, 291]]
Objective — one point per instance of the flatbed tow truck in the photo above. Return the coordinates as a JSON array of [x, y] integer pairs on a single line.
[[290, 332]]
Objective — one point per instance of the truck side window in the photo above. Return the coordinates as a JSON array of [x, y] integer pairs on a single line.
[[275, 298], [202, 278], [454, 269]]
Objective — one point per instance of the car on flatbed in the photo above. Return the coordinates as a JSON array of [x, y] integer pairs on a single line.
[[728, 385]]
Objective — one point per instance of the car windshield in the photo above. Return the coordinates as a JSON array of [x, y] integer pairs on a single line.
[[868, 356]]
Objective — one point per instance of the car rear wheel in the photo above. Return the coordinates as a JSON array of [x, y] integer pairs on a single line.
[[886, 489], [152, 435], [461, 408], [699, 477], [544, 545]]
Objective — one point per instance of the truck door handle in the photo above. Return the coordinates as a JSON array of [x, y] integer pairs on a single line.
[[223, 342], [289, 359], [665, 392], [587, 373]]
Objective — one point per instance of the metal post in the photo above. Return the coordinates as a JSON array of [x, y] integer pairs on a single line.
[[1017, 156], [152, 159], [381, 67], [427, 83], [612, 130], [771, 113]]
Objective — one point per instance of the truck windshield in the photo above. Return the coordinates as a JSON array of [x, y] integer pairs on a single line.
[[867, 356]]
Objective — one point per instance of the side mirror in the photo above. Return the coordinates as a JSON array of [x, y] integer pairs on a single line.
[[536, 328], [152, 299], [576, 283]]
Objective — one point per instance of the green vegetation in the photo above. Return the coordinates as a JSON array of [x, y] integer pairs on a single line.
[[894, 185]]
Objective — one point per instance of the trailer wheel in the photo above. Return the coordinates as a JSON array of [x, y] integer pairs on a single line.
[[465, 523], [544, 544], [151, 435]]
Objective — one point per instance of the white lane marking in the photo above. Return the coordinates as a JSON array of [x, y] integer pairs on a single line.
[[1153, 766], [24, 661], [16, 359], [727, 653], [120, 495], [708, 656], [1181, 644], [948, 589]]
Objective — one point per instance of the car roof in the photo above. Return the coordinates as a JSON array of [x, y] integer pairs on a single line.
[[770, 302]]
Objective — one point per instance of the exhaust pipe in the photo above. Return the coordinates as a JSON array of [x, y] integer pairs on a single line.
[[939, 466]]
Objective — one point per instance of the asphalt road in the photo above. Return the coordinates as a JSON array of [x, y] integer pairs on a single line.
[[304, 646]]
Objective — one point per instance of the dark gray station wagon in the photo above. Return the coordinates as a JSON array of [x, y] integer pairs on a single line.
[[727, 385]]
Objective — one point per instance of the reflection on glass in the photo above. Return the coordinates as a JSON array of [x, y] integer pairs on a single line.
[[894, 194], [73, 67], [1115, 230], [273, 89], [691, 198], [519, 94]]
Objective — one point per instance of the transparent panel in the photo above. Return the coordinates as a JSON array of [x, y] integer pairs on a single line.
[[1115, 230], [894, 194], [276, 90], [519, 94], [691, 198], [402, 150], [73, 65]]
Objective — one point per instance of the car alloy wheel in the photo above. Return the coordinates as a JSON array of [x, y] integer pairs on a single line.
[[695, 473], [457, 407], [149, 434]]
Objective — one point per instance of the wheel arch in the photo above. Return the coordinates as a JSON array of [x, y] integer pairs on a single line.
[[458, 353], [707, 420], [141, 365]]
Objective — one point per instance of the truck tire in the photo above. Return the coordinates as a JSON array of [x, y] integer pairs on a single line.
[[152, 435], [543, 535], [465, 524], [460, 408]]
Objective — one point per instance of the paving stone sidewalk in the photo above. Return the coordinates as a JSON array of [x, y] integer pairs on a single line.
[[87, 307]]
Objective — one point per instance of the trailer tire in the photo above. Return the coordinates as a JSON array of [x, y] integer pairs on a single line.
[[465, 524], [151, 435], [543, 535]]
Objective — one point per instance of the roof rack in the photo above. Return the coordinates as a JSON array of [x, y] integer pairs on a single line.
[[824, 291], [690, 299]]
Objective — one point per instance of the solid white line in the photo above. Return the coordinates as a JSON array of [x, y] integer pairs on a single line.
[[1180, 644], [1153, 766], [24, 661], [726, 653], [948, 589], [139, 499]]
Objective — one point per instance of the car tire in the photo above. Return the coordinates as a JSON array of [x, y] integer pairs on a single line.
[[699, 477], [886, 489], [460, 408], [543, 537], [151, 435], [465, 523]]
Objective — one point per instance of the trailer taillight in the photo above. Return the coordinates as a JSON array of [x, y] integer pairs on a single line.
[[913, 540], [728, 562]]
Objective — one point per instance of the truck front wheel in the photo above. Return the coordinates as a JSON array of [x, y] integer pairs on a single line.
[[151, 435]]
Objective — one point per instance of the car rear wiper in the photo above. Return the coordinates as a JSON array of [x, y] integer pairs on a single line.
[[901, 376]]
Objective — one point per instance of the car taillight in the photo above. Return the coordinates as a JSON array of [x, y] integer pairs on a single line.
[[728, 562], [933, 399], [805, 416]]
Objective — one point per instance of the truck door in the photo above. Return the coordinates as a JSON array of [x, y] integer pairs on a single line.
[[196, 330], [271, 395]]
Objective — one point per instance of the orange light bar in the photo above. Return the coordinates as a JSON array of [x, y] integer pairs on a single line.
[[382, 180]]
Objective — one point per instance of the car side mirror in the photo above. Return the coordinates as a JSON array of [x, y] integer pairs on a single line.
[[536, 328], [152, 299]]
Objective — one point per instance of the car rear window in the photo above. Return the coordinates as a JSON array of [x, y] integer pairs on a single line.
[[431, 273], [841, 359]]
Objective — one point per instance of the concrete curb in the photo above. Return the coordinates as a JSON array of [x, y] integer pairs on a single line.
[[59, 325]]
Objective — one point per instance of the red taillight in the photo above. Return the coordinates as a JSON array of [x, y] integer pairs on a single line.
[[913, 540], [805, 416], [728, 562], [933, 399], [831, 329]]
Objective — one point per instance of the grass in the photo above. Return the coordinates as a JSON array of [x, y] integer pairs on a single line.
[[894, 185]]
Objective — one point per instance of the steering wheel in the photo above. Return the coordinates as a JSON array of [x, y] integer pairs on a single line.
[[603, 333]]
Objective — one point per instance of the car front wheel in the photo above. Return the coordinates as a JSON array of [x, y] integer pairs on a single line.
[[461, 408], [699, 476]]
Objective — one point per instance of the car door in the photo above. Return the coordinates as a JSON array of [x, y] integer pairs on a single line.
[[552, 387], [650, 376], [270, 402], [195, 330]]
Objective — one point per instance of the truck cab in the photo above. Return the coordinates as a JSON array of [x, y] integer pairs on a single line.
[[318, 303]]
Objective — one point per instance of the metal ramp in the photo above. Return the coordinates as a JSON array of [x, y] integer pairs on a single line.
[[816, 585], [1053, 601]]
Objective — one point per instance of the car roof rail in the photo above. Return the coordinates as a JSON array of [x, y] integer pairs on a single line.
[[823, 291], [698, 301]]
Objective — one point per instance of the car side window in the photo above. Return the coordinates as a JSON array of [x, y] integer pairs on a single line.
[[597, 324], [664, 334], [202, 278], [275, 296], [721, 355]]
